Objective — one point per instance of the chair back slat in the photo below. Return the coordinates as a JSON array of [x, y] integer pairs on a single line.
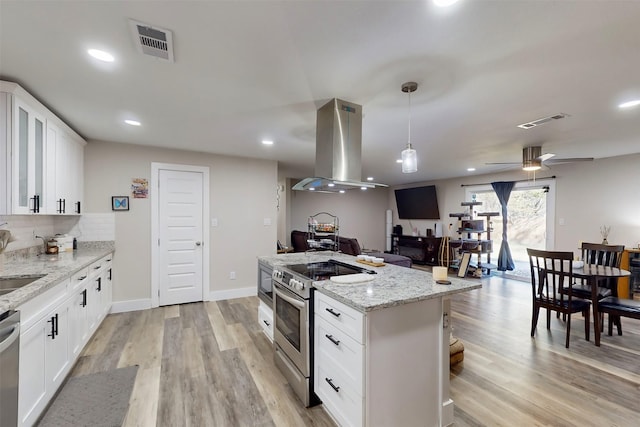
[[599, 254], [550, 270]]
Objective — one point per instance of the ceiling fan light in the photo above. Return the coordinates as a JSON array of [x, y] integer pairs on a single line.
[[531, 165], [409, 160]]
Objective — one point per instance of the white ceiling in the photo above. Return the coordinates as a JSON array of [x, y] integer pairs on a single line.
[[248, 70]]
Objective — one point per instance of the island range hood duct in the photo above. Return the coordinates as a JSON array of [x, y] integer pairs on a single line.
[[338, 150]]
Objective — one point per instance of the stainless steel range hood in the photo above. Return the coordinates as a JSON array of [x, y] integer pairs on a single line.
[[338, 150]]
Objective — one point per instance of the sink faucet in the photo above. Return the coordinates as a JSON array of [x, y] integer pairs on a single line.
[[44, 244]]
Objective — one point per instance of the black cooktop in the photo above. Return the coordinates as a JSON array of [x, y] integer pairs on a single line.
[[324, 270]]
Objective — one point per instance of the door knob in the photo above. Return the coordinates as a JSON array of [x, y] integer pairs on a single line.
[[198, 243]]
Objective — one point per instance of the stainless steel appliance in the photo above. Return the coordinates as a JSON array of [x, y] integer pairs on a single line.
[[9, 358], [293, 320], [265, 288]]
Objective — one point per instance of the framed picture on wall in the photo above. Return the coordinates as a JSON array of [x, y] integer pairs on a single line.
[[464, 264], [120, 203]]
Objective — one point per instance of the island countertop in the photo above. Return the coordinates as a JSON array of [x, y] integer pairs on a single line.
[[392, 285], [53, 268]]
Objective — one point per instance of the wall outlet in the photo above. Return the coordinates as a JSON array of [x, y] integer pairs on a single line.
[[214, 222], [232, 275], [267, 221]]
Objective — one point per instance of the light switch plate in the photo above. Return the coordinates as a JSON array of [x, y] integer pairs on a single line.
[[267, 221], [214, 222]]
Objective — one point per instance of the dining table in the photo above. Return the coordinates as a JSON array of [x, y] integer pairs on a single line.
[[592, 273]]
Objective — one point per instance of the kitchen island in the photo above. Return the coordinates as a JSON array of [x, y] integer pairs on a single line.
[[381, 347]]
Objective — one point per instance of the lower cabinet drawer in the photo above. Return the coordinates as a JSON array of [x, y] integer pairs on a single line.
[[340, 315], [336, 347], [344, 403], [265, 318]]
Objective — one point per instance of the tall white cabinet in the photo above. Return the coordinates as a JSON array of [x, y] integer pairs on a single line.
[[43, 158]]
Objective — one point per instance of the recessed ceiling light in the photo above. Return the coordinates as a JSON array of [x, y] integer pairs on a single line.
[[399, 161], [132, 122], [341, 191], [471, 169], [630, 104], [267, 142], [312, 189], [369, 178], [331, 184], [101, 55], [444, 3], [363, 188]]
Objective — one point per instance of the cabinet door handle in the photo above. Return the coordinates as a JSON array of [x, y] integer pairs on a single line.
[[84, 298], [64, 205], [110, 273], [56, 317], [330, 310], [77, 207], [333, 386], [266, 323], [53, 328], [99, 280], [332, 339]]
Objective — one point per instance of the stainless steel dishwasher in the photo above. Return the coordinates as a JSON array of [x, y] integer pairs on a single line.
[[9, 357]]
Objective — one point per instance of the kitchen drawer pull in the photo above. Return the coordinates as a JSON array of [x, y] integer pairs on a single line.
[[333, 386], [82, 278], [266, 323], [332, 339], [330, 310], [97, 267]]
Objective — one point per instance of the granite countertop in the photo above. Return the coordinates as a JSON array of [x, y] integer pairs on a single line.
[[392, 286], [55, 269]]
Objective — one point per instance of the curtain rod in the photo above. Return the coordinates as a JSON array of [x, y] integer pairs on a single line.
[[518, 180]]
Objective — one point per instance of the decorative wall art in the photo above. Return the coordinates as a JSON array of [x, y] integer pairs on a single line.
[[140, 188], [120, 203]]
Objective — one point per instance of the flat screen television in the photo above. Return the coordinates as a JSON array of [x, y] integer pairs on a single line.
[[418, 203]]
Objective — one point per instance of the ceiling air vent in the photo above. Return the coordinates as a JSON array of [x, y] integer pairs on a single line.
[[542, 121], [152, 41]]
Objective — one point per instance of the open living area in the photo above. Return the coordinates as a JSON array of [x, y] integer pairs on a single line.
[[303, 213]]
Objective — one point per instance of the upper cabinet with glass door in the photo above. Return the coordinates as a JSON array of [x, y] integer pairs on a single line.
[[33, 147]]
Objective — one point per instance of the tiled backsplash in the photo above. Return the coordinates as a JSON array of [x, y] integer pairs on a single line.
[[87, 227]]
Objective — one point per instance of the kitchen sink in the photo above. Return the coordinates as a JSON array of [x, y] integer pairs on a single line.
[[8, 284]]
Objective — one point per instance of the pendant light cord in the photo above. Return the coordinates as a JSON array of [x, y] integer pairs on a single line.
[[409, 139]]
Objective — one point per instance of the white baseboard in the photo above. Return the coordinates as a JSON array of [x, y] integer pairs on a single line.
[[132, 305], [233, 293]]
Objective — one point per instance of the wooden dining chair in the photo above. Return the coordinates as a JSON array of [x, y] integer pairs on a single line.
[[608, 256], [550, 271]]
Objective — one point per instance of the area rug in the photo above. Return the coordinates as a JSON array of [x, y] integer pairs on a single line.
[[100, 399]]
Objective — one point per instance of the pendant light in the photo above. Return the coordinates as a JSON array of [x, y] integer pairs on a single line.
[[409, 156]]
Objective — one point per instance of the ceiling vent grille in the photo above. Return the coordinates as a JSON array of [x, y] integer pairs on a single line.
[[152, 41], [543, 120]]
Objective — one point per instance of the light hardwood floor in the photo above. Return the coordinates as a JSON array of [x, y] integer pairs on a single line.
[[208, 364]]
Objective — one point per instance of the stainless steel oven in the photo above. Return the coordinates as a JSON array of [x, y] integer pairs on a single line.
[[293, 320], [265, 287]]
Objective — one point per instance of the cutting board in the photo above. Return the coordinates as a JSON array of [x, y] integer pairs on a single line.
[[373, 264], [352, 278]]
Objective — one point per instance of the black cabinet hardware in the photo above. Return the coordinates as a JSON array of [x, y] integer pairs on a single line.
[[84, 298], [99, 288], [266, 323], [333, 386], [54, 326], [110, 274], [332, 339], [78, 207], [97, 267], [330, 310], [36, 204]]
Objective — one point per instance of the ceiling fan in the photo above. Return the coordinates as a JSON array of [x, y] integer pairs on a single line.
[[533, 159]]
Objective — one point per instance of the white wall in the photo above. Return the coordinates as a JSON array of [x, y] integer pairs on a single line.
[[588, 195], [242, 194], [361, 213]]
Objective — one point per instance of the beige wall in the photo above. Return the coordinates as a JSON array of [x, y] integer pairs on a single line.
[[242, 195], [361, 213]]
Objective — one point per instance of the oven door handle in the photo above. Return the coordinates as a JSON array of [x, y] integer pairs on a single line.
[[293, 301]]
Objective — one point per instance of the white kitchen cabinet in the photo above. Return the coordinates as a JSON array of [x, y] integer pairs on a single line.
[[370, 367], [30, 137], [79, 324], [265, 318], [65, 163], [44, 352]]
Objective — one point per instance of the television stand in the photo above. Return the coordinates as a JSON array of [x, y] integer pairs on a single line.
[[421, 249]]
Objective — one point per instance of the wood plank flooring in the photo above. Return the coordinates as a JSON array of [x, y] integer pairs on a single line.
[[209, 364]]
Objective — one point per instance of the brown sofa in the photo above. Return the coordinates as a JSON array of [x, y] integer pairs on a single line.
[[349, 246]]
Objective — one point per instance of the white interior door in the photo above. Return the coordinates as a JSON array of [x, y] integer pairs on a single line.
[[180, 236]]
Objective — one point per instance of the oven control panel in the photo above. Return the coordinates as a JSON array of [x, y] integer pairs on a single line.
[[292, 282]]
